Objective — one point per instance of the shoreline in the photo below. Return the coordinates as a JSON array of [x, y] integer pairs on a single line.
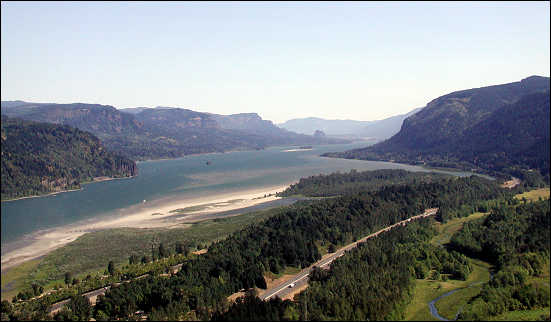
[[44, 195], [96, 179], [40, 243]]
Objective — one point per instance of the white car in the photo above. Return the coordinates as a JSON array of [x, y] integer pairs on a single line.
[[291, 285]]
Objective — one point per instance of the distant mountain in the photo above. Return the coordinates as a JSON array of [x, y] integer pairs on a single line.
[[376, 130], [133, 110], [386, 128], [309, 125], [222, 132], [102, 120], [500, 129], [163, 132], [38, 158]]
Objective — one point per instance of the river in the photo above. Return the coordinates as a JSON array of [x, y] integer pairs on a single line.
[[177, 179]]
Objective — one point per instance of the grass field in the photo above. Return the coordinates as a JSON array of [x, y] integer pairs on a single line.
[[13, 279], [450, 305], [526, 315], [427, 290], [92, 252], [534, 195]]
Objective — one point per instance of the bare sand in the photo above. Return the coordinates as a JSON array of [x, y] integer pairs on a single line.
[[144, 215], [296, 150]]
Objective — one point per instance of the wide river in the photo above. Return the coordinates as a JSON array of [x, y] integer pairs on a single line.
[[178, 179]]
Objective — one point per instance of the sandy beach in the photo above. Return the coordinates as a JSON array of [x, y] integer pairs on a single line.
[[145, 215]]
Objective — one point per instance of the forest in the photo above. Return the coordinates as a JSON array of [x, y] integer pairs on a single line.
[[517, 241], [38, 158], [353, 182], [290, 238], [375, 280], [372, 282]]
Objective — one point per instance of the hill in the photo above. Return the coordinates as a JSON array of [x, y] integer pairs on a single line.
[[309, 125], [377, 130], [164, 132], [386, 128], [450, 115], [495, 129], [38, 158]]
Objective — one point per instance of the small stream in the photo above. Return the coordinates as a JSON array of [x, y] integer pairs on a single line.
[[432, 304]]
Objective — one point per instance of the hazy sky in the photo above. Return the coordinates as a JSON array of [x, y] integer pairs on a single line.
[[357, 60]]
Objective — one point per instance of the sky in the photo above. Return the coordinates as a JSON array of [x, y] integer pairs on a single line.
[[283, 60]]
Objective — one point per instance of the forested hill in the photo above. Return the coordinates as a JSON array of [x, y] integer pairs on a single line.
[[498, 129], [38, 158], [163, 132]]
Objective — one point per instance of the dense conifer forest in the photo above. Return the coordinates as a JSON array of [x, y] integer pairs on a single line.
[[375, 280], [354, 182], [38, 158], [371, 282], [291, 238]]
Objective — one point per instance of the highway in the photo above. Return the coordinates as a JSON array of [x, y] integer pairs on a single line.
[[93, 295], [301, 278], [280, 290]]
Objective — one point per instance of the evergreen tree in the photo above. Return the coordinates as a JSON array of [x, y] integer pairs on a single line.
[[68, 278], [111, 268]]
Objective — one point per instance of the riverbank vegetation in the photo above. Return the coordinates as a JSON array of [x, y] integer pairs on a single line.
[[40, 158], [91, 252]]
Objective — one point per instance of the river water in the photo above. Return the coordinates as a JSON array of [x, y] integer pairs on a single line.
[[177, 179]]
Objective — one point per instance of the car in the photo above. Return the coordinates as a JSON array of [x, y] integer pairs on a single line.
[[291, 285]]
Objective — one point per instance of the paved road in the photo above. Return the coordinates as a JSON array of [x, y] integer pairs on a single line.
[[279, 290], [285, 288], [93, 295]]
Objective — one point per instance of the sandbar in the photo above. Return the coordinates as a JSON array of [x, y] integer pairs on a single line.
[[144, 215], [296, 150]]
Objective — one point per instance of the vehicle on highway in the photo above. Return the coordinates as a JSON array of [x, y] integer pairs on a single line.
[[291, 285]]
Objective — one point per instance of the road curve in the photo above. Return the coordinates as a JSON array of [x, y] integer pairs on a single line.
[[302, 277]]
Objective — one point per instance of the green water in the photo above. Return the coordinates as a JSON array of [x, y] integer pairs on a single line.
[[189, 177]]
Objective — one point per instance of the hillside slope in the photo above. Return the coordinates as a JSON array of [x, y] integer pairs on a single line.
[[448, 116], [38, 158], [164, 132], [496, 129]]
